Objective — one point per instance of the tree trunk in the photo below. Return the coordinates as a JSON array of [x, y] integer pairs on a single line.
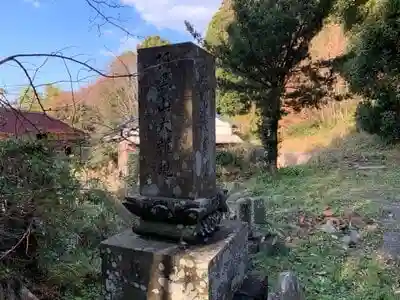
[[270, 115]]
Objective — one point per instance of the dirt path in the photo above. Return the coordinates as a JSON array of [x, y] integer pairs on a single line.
[[390, 218]]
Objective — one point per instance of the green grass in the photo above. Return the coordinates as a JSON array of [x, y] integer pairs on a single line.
[[326, 269]]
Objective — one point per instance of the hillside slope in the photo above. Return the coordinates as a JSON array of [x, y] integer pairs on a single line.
[[107, 97]]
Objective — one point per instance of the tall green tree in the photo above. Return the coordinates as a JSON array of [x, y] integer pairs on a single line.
[[266, 40], [228, 102], [153, 41], [51, 92], [372, 64]]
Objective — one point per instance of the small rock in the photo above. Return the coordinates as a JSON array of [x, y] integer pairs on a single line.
[[372, 227], [233, 198], [354, 236], [271, 245], [351, 239], [273, 296], [329, 227], [346, 240]]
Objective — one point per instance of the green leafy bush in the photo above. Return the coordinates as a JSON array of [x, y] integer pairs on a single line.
[[372, 63], [379, 118], [228, 157], [102, 155], [50, 227]]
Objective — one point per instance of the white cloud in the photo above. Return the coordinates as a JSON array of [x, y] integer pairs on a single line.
[[35, 3], [171, 14], [128, 43], [125, 44]]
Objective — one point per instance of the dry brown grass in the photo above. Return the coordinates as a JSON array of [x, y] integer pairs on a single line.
[[329, 43], [317, 128]]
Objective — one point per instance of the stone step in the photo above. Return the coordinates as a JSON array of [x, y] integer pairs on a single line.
[[391, 244], [392, 209], [390, 224]]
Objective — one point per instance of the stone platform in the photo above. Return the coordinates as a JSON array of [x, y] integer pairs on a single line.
[[146, 269]]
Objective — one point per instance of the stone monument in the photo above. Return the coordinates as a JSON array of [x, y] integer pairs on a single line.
[[178, 194], [179, 248]]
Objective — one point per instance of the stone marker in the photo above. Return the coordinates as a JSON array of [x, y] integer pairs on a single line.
[[140, 269], [288, 288], [391, 244], [179, 249], [177, 144]]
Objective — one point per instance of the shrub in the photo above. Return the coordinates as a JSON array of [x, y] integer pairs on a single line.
[[236, 162], [377, 117], [367, 117], [102, 155], [225, 158], [49, 228]]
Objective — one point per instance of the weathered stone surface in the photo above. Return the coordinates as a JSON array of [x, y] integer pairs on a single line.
[[244, 212], [144, 269], [259, 214], [192, 221], [391, 244], [177, 121], [193, 234], [254, 287]]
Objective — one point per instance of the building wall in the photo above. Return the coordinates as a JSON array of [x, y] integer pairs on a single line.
[[124, 148], [222, 128]]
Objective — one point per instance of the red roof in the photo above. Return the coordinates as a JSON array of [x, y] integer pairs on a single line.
[[18, 122]]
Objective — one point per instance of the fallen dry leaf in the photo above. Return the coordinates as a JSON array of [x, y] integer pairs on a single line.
[[328, 212]]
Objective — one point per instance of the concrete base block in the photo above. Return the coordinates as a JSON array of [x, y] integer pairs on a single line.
[[147, 269]]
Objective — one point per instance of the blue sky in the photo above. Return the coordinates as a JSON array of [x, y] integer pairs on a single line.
[[67, 26]]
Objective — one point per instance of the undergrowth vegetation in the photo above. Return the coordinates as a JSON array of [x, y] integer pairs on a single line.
[[319, 127], [297, 200], [50, 226]]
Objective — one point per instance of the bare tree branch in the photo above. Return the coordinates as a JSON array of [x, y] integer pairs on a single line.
[[96, 6]]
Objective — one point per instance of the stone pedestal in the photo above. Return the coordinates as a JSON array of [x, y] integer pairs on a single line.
[[146, 269]]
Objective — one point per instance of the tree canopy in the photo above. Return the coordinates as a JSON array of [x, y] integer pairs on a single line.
[[228, 102], [372, 64], [153, 41], [266, 40]]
